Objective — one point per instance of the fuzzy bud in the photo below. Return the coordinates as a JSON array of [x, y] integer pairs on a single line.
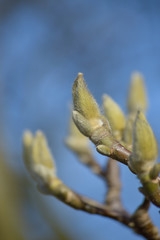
[[37, 157], [76, 141], [86, 114], [145, 150], [137, 99], [114, 115], [127, 134], [83, 101]]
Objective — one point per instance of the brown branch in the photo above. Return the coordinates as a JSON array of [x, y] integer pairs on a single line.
[[113, 197], [40, 164], [117, 152], [57, 189], [142, 222], [120, 153], [136, 222]]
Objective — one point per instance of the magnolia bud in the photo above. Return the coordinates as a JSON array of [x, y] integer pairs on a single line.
[[114, 115], [76, 141], [38, 158], [83, 101], [137, 99], [145, 150]]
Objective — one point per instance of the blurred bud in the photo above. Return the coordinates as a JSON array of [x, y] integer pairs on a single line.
[[76, 141], [137, 99], [114, 115], [27, 148], [37, 157], [145, 150], [155, 171], [127, 134], [104, 149]]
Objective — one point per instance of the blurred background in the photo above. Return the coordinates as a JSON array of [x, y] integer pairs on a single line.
[[43, 45]]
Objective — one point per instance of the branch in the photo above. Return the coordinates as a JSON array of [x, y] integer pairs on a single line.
[[113, 198], [142, 222], [117, 152], [41, 167], [59, 190]]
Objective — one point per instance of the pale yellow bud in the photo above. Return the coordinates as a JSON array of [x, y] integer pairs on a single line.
[[114, 115], [145, 149], [82, 124], [137, 99], [83, 101], [127, 134], [76, 140], [38, 158], [86, 114]]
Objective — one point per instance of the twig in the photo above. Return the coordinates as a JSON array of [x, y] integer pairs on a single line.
[[140, 222], [41, 166], [113, 198], [143, 223], [57, 189], [117, 152]]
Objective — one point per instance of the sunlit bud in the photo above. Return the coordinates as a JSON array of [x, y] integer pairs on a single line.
[[137, 99], [83, 101], [145, 148], [128, 131], [86, 114], [114, 115], [88, 118], [38, 158], [76, 141], [155, 171], [82, 124]]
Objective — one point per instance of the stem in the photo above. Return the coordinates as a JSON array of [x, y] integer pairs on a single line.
[[113, 198], [142, 222]]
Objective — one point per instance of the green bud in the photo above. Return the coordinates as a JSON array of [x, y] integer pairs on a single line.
[[137, 99], [38, 158], [74, 132], [87, 116], [145, 150], [127, 134], [82, 124], [76, 141], [114, 115], [155, 171], [83, 101], [104, 150]]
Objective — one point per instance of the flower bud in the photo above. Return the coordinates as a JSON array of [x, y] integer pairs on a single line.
[[145, 150], [76, 141], [86, 114], [38, 158], [127, 134], [137, 99], [114, 115], [82, 124], [83, 101]]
